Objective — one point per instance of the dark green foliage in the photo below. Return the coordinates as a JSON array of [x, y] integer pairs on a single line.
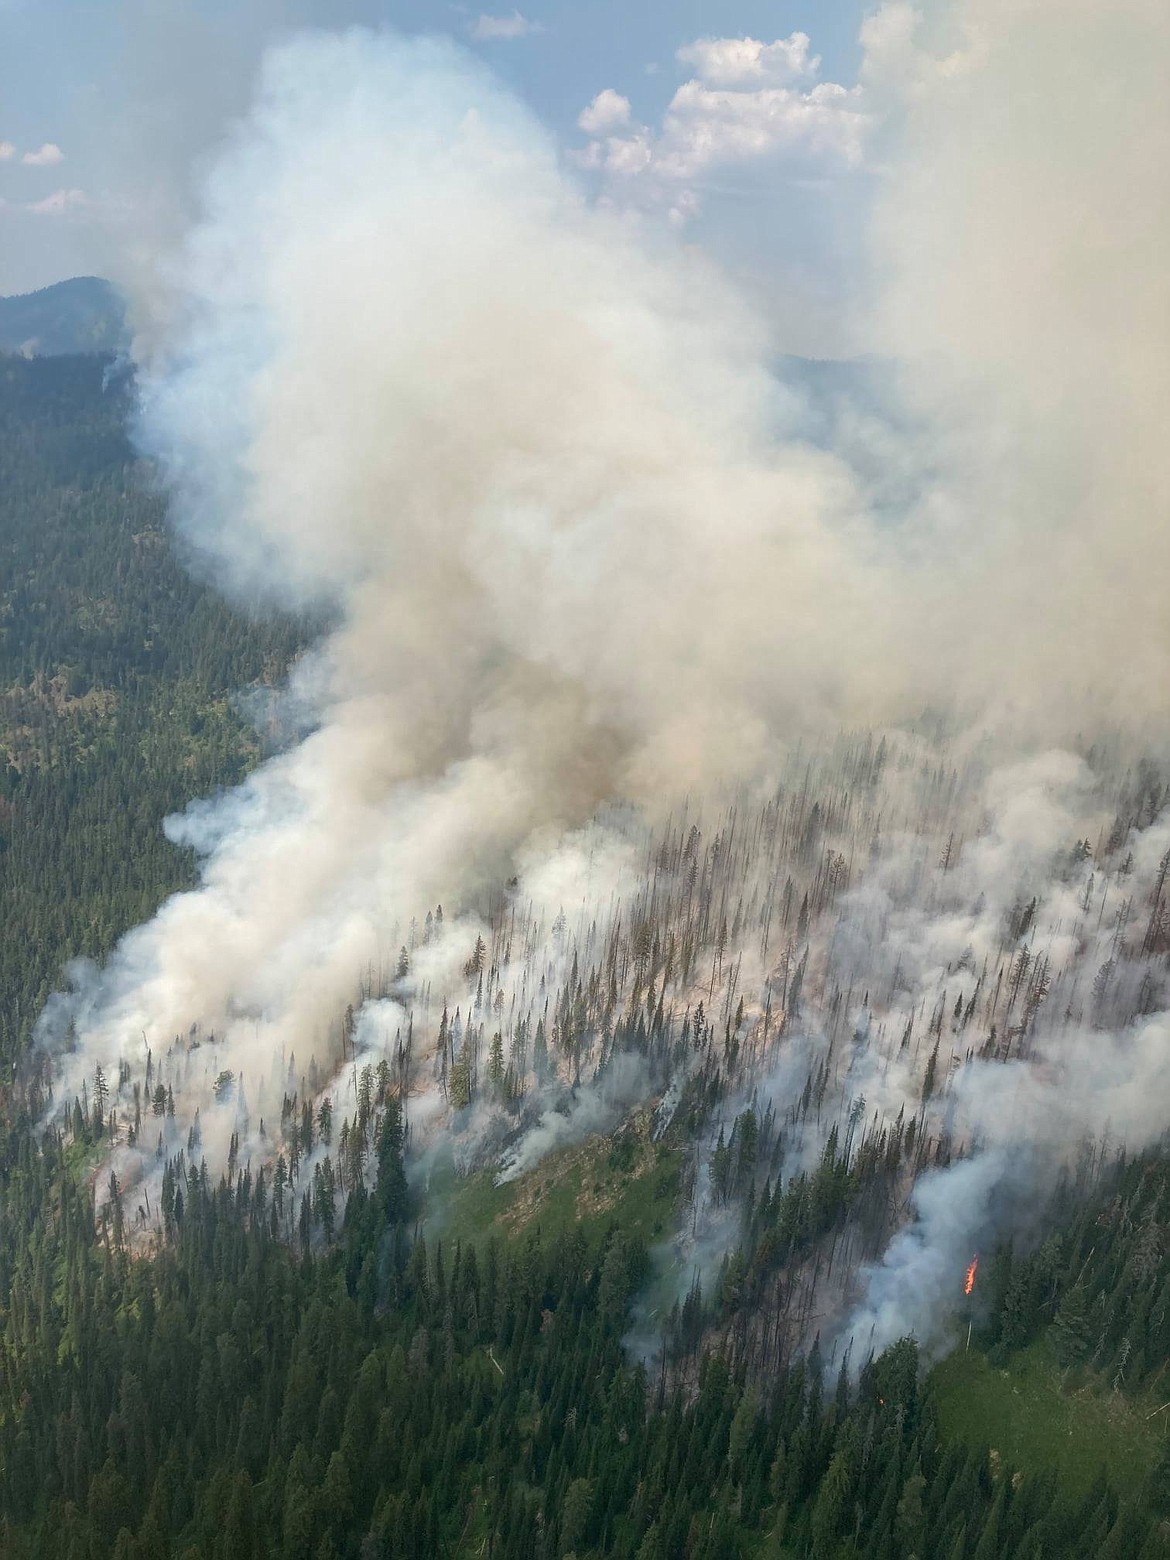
[[1101, 1288], [1070, 1330]]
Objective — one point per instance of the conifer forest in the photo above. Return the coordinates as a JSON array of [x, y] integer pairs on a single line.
[[584, 782], [280, 1351]]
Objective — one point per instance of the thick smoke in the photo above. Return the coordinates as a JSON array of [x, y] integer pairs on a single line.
[[1034, 965], [1022, 234], [1021, 230], [526, 462], [529, 460], [971, 1003]]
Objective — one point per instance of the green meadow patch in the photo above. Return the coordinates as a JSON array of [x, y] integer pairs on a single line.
[[625, 1181], [1036, 1416]]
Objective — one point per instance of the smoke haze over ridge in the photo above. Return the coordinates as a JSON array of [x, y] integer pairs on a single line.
[[529, 456]]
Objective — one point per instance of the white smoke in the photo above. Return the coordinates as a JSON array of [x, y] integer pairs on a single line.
[[1021, 226], [1020, 237], [914, 1287], [526, 461], [597, 1107], [995, 978], [528, 458], [1077, 1056]]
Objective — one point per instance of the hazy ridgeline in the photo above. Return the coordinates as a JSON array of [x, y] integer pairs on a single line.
[[540, 481]]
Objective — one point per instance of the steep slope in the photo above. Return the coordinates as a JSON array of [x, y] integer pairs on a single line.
[[83, 314]]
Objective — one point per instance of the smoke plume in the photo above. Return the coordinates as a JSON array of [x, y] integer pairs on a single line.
[[529, 460], [526, 462], [1020, 232]]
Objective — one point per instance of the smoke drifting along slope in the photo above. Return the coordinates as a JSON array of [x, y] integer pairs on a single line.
[[528, 466], [534, 467]]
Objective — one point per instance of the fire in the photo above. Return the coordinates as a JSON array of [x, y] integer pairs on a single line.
[[969, 1281]]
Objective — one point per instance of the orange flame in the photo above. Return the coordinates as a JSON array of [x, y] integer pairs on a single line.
[[969, 1281]]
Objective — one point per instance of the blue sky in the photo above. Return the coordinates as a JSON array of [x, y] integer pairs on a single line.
[[715, 118]]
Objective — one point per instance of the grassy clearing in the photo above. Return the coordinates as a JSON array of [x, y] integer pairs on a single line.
[[631, 1183], [1037, 1416]]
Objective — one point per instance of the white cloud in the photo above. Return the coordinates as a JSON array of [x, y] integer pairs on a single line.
[[7, 151], [747, 102], [492, 29], [58, 203], [733, 62], [628, 154], [705, 127], [608, 111], [46, 156]]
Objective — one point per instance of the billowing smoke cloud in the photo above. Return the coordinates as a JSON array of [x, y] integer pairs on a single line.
[[526, 462], [1035, 967], [984, 1011], [1020, 235], [1021, 227], [530, 462]]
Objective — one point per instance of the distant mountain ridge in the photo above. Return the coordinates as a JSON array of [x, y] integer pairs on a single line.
[[84, 314]]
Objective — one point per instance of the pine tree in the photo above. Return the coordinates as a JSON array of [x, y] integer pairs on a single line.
[[1070, 1329]]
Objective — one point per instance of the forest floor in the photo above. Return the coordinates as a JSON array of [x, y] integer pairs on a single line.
[[1037, 1416], [590, 1186]]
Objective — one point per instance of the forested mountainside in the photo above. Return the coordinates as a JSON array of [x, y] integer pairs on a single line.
[[281, 1373], [117, 676], [230, 1399], [83, 314]]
